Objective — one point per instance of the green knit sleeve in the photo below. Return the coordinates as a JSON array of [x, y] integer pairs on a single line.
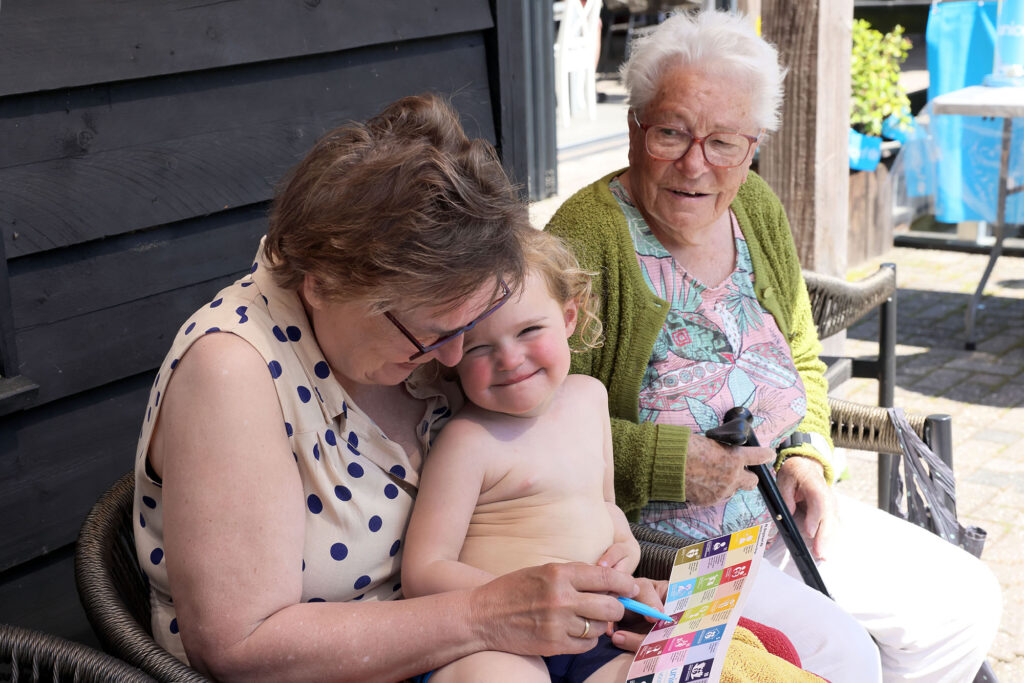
[[798, 325], [806, 350], [650, 461]]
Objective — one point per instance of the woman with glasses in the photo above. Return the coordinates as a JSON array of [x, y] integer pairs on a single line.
[[704, 308], [281, 448]]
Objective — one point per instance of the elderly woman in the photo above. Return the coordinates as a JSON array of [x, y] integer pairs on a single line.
[[280, 451], [704, 308]]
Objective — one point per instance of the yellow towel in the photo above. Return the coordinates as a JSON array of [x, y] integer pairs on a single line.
[[747, 661]]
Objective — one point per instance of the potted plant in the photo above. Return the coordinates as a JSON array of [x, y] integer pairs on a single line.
[[878, 103]]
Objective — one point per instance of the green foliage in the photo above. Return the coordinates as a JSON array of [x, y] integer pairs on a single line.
[[876, 92]]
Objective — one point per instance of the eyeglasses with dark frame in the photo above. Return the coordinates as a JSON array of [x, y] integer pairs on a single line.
[[423, 350], [671, 143]]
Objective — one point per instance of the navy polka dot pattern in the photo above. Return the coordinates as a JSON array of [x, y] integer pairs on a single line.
[[356, 482]]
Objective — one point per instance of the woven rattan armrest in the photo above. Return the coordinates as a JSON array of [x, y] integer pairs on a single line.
[[837, 304], [36, 656]]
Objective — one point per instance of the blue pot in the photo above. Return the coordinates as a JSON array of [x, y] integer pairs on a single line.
[[865, 151]]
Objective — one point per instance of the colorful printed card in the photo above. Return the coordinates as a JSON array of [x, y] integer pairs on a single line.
[[710, 582]]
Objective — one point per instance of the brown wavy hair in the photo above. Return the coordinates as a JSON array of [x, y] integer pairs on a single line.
[[551, 257], [404, 208]]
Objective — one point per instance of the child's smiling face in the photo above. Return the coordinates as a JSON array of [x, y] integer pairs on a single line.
[[516, 359]]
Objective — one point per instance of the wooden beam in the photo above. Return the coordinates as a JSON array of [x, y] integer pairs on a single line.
[[806, 162], [751, 8]]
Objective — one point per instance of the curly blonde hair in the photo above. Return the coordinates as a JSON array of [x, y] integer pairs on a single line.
[[552, 258]]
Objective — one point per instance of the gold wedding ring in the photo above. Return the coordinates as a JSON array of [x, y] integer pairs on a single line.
[[586, 628]]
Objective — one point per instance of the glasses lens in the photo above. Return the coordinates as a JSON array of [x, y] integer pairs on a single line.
[[441, 341], [664, 142], [726, 149]]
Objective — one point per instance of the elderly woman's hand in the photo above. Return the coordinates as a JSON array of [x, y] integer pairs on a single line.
[[807, 495], [715, 472], [552, 609]]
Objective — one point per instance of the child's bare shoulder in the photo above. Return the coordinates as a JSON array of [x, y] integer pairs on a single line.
[[585, 385], [471, 425]]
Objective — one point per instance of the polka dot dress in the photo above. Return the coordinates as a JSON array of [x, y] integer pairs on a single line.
[[358, 486]]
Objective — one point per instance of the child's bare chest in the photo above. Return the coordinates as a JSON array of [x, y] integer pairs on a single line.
[[554, 463]]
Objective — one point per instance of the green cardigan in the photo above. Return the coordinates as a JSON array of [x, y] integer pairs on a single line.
[[650, 459]]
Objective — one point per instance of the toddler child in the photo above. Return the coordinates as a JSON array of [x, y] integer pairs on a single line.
[[523, 475]]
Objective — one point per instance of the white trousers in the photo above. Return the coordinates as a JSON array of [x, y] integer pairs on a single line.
[[931, 608]]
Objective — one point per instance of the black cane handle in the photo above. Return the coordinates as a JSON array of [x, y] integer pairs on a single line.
[[737, 430]]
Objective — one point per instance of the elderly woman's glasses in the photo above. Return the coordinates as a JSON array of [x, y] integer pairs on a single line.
[[668, 143], [423, 350]]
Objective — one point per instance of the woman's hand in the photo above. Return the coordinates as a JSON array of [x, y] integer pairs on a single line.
[[551, 609], [715, 472], [634, 627], [802, 484]]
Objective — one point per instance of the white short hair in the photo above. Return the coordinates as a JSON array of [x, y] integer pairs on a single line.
[[719, 43]]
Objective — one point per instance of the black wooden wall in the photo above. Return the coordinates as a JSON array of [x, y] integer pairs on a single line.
[[139, 145]]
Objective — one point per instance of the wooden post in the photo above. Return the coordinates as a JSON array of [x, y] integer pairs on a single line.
[[751, 8], [806, 161]]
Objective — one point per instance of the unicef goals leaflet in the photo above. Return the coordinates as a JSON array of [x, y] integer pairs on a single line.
[[710, 582]]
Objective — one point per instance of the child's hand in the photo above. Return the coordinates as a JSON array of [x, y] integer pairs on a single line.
[[630, 632], [623, 556]]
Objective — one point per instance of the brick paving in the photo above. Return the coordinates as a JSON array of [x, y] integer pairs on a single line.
[[983, 390]]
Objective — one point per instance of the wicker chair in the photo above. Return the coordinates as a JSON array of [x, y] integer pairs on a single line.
[[115, 592], [836, 305], [32, 656]]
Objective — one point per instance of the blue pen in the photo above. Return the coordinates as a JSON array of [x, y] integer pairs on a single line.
[[646, 610]]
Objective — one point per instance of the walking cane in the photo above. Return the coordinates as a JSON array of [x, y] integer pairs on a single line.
[[737, 430]]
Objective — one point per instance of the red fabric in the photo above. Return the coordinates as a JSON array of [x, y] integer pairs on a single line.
[[774, 640]]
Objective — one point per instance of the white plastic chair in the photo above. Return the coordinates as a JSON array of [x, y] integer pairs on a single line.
[[576, 59]]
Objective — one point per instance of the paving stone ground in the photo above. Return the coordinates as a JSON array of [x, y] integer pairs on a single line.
[[982, 390]]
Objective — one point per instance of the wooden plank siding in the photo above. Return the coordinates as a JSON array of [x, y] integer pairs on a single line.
[[60, 44], [140, 145]]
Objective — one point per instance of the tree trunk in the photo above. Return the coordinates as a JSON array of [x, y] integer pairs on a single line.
[[806, 161]]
